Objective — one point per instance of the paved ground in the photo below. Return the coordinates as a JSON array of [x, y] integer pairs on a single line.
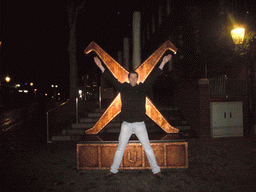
[[226, 164]]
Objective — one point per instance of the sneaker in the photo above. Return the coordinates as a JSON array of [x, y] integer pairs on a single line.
[[159, 175], [110, 174]]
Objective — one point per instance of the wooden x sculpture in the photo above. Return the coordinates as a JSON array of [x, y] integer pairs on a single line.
[[122, 75]]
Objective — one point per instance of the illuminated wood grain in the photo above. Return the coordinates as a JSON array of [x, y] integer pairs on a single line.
[[122, 75]]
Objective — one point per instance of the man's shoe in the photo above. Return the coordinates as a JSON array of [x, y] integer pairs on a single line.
[[159, 175], [110, 174]]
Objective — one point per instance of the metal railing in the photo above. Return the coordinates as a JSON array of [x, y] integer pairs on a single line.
[[47, 120]]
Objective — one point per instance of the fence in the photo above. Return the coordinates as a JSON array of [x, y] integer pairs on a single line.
[[223, 87]]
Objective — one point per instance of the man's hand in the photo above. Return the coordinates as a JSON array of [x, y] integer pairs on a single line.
[[98, 63], [165, 60]]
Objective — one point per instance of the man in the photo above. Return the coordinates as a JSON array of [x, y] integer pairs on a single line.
[[133, 113]]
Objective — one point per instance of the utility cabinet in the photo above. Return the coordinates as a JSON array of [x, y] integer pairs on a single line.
[[226, 119]]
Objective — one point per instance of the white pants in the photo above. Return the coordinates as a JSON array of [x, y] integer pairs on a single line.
[[139, 128]]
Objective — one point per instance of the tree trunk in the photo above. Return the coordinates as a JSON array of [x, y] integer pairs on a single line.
[[73, 65], [72, 18]]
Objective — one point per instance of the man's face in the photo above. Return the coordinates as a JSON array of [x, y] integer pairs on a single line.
[[133, 79]]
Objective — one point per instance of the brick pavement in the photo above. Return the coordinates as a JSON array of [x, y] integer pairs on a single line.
[[225, 164]]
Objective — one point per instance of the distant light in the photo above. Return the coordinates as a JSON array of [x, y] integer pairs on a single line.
[[52, 85], [80, 92], [7, 79], [26, 84], [35, 89], [18, 85], [31, 84], [25, 91], [52, 96], [56, 86], [45, 94], [58, 93], [20, 91]]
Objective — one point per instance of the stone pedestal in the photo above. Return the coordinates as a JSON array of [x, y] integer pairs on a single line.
[[170, 153]]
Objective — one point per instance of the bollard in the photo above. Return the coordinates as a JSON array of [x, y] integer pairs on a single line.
[[76, 110]]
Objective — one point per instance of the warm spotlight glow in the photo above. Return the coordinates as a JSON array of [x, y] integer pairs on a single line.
[[25, 91], [238, 35], [31, 84], [7, 79]]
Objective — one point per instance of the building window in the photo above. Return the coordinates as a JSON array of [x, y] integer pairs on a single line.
[[153, 24], [147, 31], [168, 10], [160, 15]]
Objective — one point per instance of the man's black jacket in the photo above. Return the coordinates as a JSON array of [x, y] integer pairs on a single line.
[[133, 97]]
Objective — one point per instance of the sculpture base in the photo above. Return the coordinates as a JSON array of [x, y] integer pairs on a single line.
[[170, 153]]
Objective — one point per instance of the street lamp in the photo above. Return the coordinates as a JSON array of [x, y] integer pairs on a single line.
[[238, 38], [7, 79], [238, 35]]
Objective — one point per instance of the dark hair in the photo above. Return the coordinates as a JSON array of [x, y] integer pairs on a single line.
[[134, 72]]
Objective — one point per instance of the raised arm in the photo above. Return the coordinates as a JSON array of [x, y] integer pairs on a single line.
[[156, 72], [166, 59], [108, 74], [99, 64]]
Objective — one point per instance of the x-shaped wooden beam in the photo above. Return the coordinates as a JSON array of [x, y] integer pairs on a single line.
[[122, 75]]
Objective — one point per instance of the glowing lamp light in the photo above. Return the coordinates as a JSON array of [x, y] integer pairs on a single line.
[[52, 85], [238, 35], [7, 79], [31, 84]]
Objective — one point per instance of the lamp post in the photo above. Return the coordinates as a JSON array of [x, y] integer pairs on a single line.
[[238, 38]]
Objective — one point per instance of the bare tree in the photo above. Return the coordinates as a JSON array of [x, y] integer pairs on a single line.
[[72, 20]]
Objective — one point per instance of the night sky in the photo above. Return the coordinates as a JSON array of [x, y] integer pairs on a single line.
[[34, 37]]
